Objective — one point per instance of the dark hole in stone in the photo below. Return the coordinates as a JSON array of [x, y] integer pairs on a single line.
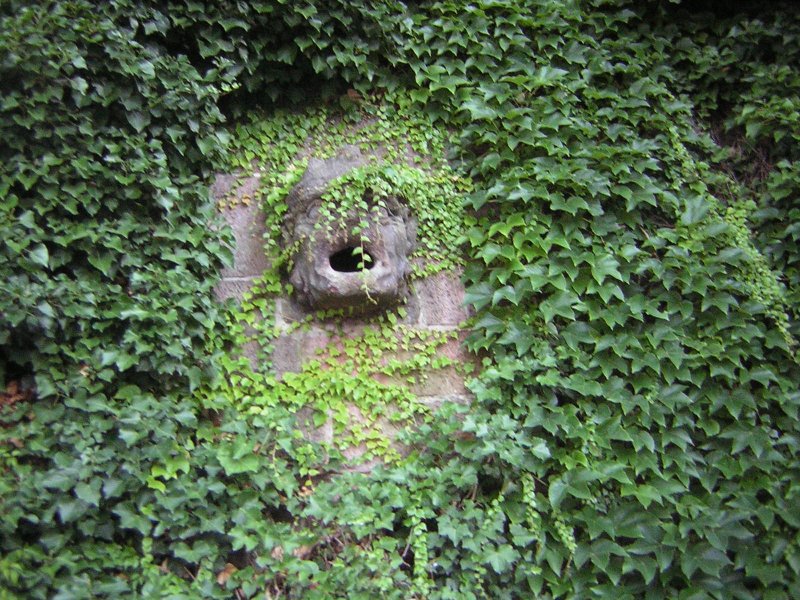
[[349, 260]]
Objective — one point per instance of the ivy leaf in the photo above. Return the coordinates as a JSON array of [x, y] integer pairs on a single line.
[[519, 335], [540, 450], [40, 255], [696, 208], [479, 295], [147, 69], [560, 304], [101, 262], [556, 492], [479, 109], [70, 510], [605, 266], [709, 560], [547, 75], [501, 558], [89, 492], [238, 457]]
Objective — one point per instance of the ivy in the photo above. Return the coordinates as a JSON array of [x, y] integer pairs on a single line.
[[629, 176]]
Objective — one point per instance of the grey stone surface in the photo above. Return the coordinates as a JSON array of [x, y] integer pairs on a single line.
[[441, 382], [319, 174], [247, 223], [356, 454], [287, 312], [441, 299], [436, 402], [233, 288], [322, 434], [251, 351], [222, 185], [412, 306], [292, 350], [386, 234]]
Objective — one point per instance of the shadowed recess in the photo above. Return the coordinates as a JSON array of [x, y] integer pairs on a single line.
[[350, 260]]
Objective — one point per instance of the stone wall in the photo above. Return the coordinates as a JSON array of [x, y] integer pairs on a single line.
[[434, 303]]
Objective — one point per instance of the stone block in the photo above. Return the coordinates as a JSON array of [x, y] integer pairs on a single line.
[[441, 299], [251, 351], [454, 349], [412, 311], [287, 312], [293, 349], [321, 435], [440, 382], [247, 223], [451, 347], [230, 186], [434, 403], [233, 288], [355, 455], [433, 303], [221, 187], [326, 273], [444, 381]]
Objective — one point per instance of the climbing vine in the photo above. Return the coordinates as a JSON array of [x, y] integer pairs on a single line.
[[357, 381], [407, 160], [631, 247]]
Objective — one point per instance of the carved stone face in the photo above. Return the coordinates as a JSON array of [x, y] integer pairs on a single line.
[[365, 271]]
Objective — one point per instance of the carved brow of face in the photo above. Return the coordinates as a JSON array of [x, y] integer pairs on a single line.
[[363, 268]]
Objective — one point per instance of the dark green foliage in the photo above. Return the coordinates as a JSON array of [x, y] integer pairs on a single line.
[[748, 98], [633, 262]]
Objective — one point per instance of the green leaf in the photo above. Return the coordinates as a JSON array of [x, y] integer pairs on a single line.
[[479, 295], [556, 492], [40, 255], [147, 69], [540, 450], [605, 266], [696, 208], [238, 457], [559, 304], [138, 120], [102, 262], [70, 510], [502, 558], [479, 109], [89, 492], [521, 336]]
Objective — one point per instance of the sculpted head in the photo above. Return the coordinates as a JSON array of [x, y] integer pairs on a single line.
[[357, 260]]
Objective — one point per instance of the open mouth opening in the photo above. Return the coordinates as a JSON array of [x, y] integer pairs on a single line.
[[351, 260]]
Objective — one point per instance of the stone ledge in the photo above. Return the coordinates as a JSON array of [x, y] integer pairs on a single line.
[[288, 311]]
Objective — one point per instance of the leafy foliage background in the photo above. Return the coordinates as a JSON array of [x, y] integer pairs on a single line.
[[633, 263]]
